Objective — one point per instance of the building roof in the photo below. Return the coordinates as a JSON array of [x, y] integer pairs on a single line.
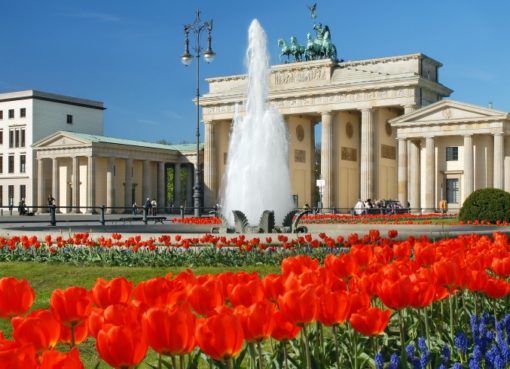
[[121, 141], [46, 96]]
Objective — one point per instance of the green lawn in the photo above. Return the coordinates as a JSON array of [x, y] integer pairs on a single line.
[[44, 278]]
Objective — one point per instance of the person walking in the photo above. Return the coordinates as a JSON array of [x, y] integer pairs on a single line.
[[134, 208], [154, 207], [147, 205]]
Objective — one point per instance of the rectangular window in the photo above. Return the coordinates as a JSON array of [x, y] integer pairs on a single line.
[[1, 164], [1, 137], [11, 113], [22, 192], [1, 114], [1, 195], [452, 153], [22, 163], [11, 138], [69, 119], [22, 143], [452, 190], [16, 138], [22, 112], [11, 194], [10, 165]]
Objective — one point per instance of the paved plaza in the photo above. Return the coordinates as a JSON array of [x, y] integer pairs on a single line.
[[68, 224]]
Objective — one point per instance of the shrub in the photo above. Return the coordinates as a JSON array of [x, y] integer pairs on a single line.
[[489, 204]]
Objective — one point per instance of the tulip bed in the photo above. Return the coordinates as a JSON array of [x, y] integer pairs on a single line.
[[208, 250], [382, 304]]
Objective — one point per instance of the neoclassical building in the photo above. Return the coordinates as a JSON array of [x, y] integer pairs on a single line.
[[54, 144], [386, 132]]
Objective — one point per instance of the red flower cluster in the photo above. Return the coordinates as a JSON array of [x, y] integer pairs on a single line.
[[176, 314], [403, 218], [197, 220]]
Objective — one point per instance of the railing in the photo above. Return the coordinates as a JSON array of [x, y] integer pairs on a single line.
[[103, 214]]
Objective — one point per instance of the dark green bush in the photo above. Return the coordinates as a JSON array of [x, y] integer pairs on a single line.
[[489, 204]]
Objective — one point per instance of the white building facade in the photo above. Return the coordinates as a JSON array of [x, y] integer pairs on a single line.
[[28, 116]]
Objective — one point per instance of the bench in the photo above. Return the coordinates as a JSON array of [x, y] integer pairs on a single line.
[[157, 219]]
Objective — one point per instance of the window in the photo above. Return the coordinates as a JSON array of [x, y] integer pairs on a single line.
[[1, 137], [452, 190], [10, 166], [11, 194], [1, 114], [452, 153], [1, 164], [17, 137], [22, 163], [1, 195], [11, 113], [22, 112], [69, 119], [22, 192]]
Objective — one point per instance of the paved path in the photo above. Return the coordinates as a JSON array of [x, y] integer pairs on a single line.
[[69, 224]]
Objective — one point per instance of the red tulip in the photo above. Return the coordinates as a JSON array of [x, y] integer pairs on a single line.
[[496, 288], [58, 360], [40, 328], [114, 315], [72, 306], [334, 308], [395, 294], [15, 356], [247, 293], [116, 291], [80, 333], [283, 330], [221, 346], [371, 321], [299, 306], [16, 297], [158, 291], [205, 297], [257, 320], [121, 347], [501, 266], [170, 331]]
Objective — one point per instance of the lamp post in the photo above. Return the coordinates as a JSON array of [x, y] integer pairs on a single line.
[[197, 27]]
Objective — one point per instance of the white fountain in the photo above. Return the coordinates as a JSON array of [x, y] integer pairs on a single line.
[[257, 173]]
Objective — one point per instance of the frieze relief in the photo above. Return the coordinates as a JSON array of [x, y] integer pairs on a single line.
[[338, 98], [283, 77]]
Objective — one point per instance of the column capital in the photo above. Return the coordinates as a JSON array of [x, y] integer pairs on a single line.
[[498, 134], [468, 135], [326, 112]]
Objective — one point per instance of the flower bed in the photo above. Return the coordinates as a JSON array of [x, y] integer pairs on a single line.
[[357, 309]]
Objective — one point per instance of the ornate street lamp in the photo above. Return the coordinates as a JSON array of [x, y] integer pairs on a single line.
[[196, 28]]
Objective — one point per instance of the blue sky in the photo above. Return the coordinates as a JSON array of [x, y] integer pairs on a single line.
[[126, 53]]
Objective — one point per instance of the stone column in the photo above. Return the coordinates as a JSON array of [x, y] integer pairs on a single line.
[[507, 165], [177, 184], [499, 152], [146, 187], [402, 171], [161, 185], [128, 185], [468, 166], [430, 174], [415, 175], [110, 186], [40, 187], [55, 180], [189, 186], [76, 185], [367, 155], [210, 187], [91, 184], [327, 159]]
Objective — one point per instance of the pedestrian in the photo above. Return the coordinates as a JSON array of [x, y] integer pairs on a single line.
[[147, 205], [134, 208], [51, 202], [154, 207], [359, 208]]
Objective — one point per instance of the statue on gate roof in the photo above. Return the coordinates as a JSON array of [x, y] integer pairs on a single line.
[[315, 49]]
